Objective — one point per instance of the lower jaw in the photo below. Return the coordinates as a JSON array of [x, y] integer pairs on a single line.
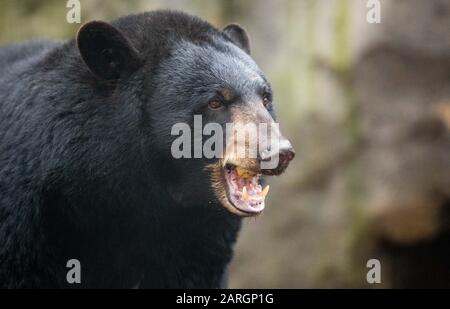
[[242, 213], [246, 210], [249, 212]]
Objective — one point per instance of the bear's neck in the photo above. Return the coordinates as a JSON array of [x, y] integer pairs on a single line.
[[161, 245]]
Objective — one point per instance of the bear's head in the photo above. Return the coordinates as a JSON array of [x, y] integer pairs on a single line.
[[208, 108]]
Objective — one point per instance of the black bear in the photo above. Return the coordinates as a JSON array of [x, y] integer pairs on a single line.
[[86, 164]]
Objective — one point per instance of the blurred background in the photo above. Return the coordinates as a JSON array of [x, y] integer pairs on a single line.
[[367, 107]]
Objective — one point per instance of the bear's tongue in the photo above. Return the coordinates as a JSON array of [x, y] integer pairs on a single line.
[[245, 191]]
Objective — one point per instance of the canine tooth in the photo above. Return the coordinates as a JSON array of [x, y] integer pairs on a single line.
[[265, 192], [244, 194]]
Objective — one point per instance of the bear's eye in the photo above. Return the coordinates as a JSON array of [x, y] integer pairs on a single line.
[[267, 100], [215, 105]]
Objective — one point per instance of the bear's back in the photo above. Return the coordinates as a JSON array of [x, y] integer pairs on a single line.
[[11, 55]]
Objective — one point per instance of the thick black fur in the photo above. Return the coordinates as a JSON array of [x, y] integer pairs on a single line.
[[85, 166]]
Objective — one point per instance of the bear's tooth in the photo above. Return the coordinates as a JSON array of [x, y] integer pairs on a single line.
[[245, 194], [243, 173], [264, 193]]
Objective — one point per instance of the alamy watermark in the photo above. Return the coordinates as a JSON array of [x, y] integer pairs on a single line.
[[374, 273], [374, 13], [239, 141], [73, 16], [74, 274]]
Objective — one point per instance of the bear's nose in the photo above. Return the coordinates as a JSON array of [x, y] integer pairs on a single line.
[[283, 155], [286, 156]]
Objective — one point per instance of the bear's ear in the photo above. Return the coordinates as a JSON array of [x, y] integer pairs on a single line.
[[106, 52], [239, 36]]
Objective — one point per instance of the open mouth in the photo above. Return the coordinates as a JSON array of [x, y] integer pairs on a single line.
[[244, 191]]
